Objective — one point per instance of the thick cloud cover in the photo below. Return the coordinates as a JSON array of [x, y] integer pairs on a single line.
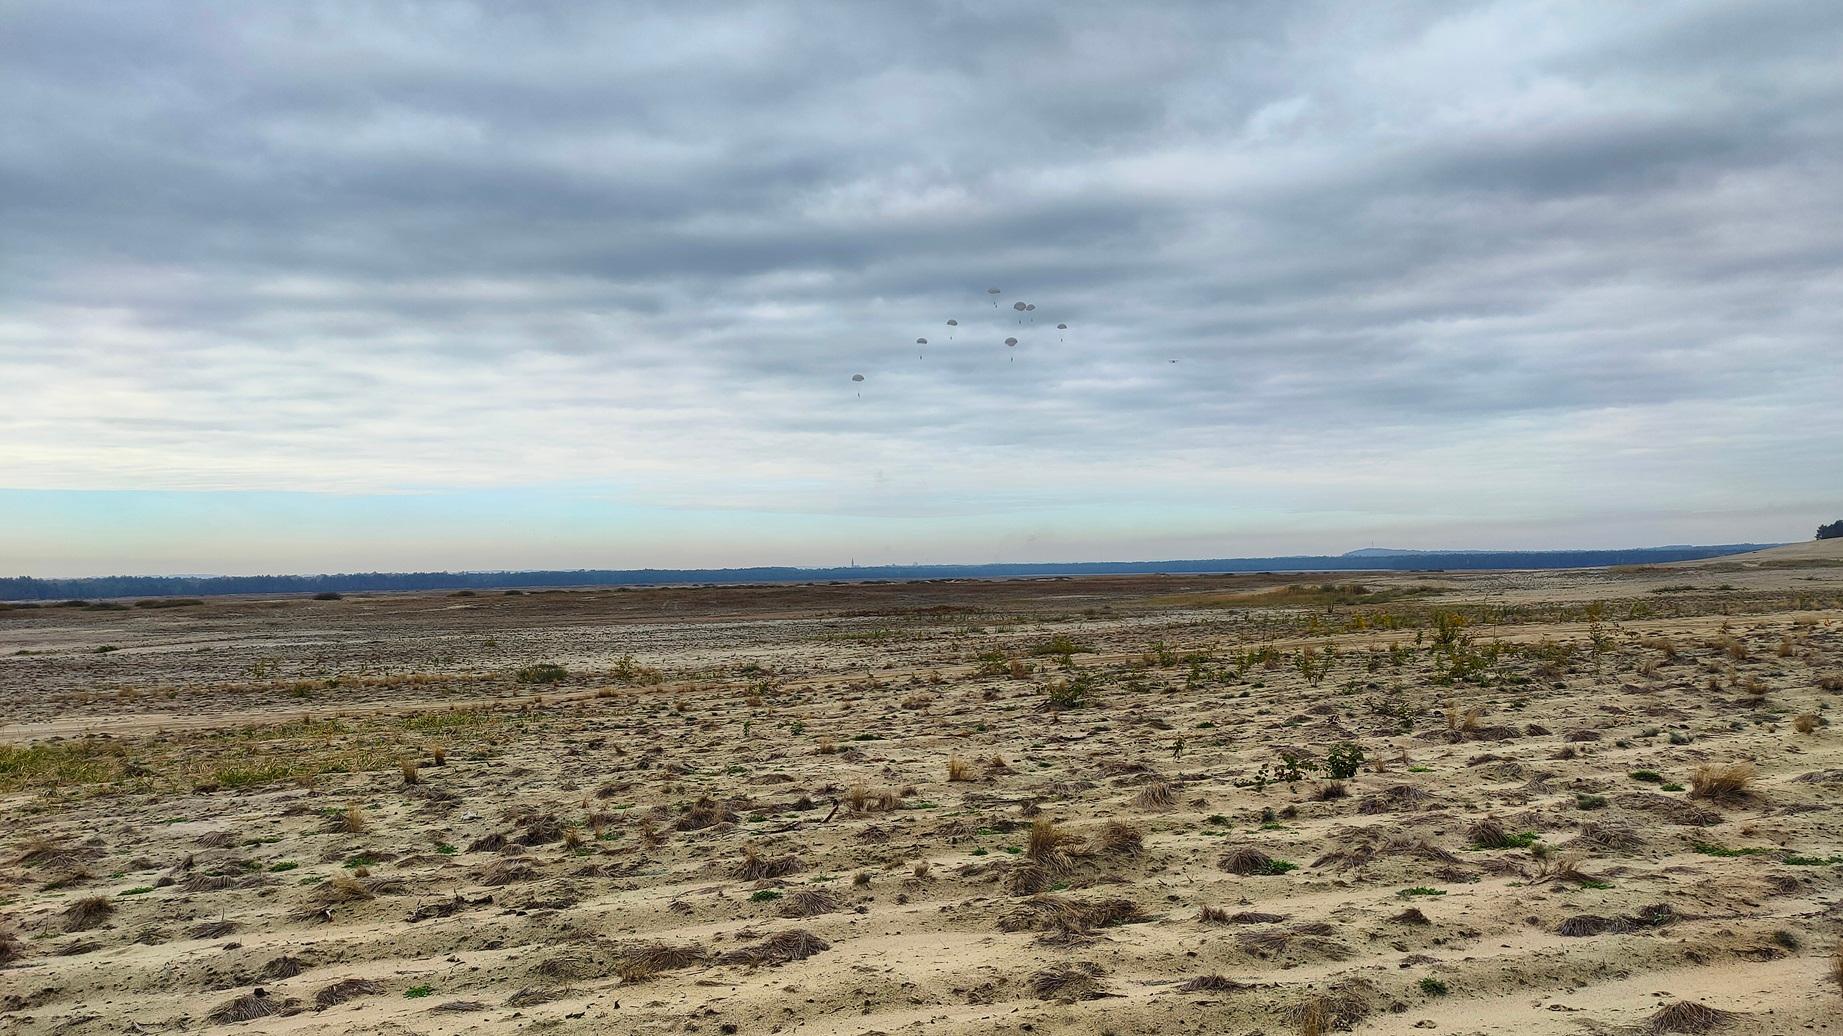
[[1501, 274]]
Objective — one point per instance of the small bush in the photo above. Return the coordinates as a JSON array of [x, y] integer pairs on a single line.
[[542, 672], [1060, 646], [1343, 761]]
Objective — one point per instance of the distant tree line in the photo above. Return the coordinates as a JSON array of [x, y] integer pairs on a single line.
[[1832, 531], [30, 589]]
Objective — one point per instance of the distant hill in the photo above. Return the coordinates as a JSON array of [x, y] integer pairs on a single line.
[[30, 589]]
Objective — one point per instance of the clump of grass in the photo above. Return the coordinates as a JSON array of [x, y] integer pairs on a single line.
[[344, 990], [257, 1003], [809, 903], [1120, 839], [1647, 776], [780, 948], [1072, 693], [755, 867], [1434, 987], [861, 799], [1080, 981], [1046, 837], [541, 672], [1727, 782], [1340, 1008], [1249, 861], [705, 812], [87, 913], [1060, 646], [411, 775], [12, 947], [350, 821], [1211, 984], [1684, 1016], [959, 769], [1156, 795], [645, 962], [1805, 722], [1490, 833], [1567, 868]]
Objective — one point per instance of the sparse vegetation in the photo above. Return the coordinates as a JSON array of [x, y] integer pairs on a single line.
[[1033, 774]]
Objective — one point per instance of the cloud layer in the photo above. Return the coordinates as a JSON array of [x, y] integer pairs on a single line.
[[1516, 265]]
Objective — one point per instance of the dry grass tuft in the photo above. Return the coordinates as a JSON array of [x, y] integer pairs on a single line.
[[350, 821], [1070, 917], [1728, 782], [1337, 1008], [1119, 838], [959, 769], [1610, 836], [344, 888], [644, 962], [411, 775], [1046, 838], [705, 812], [345, 989], [1246, 860], [1805, 723], [1211, 984], [12, 947], [780, 948], [283, 967], [1565, 869], [1156, 795], [1079, 981], [257, 1003], [1489, 833], [808, 903], [532, 997], [1684, 1016], [87, 913], [755, 867]]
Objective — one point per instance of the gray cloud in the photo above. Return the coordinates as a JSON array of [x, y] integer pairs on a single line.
[[1534, 261]]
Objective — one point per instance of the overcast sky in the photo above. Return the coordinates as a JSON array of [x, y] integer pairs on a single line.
[[308, 287]]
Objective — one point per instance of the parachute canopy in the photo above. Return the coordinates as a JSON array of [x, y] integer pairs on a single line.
[[1010, 341], [1019, 306], [991, 291], [1030, 307], [953, 323], [921, 341], [1062, 327], [857, 377]]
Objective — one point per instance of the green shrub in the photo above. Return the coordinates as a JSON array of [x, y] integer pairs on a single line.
[[542, 672], [1343, 762]]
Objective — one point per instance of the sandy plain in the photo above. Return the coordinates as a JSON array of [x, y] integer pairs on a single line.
[[1592, 801]]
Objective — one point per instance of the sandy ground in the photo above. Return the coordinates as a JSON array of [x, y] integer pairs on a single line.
[[1584, 798]]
